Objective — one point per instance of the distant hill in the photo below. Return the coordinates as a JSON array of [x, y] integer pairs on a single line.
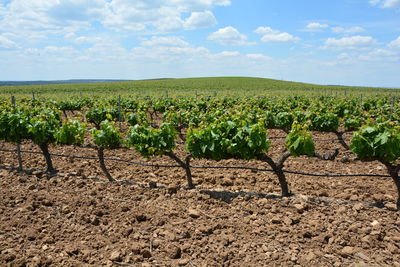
[[72, 81], [203, 86]]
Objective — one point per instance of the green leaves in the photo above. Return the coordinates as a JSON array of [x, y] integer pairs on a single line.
[[72, 132], [299, 141], [107, 136], [70, 105], [150, 142], [228, 139], [352, 123], [14, 125], [98, 114], [137, 118], [379, 141], [43, 126], [324, 122]]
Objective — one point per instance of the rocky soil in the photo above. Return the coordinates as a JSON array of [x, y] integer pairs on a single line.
[[233, 217]]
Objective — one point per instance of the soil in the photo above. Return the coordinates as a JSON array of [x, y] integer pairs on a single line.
[[233, 217]]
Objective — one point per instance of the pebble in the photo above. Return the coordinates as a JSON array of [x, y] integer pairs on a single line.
[[115, 256], [347, 250], [146, 253], [183, 262], [276, 220], [174, 252], [375, 224], [358, 207], [226, 182], [194, 213], [300, 207], [391, 206], [362, 256]]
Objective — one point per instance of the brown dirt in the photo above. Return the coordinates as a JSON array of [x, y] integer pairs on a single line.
[[233, 218]]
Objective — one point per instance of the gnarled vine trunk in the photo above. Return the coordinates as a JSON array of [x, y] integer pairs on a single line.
[[341, 139], [100, 154], [279, 164], [45, 149], [185, 165], [277, 167]]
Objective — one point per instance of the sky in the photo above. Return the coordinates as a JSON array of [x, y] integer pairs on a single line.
[[347, 42]]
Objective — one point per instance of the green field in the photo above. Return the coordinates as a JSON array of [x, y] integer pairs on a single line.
[[217, 86]]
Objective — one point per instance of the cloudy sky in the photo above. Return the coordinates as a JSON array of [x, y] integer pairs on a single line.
[[351, 42]]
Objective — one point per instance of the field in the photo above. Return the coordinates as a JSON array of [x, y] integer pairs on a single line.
[[219, 86], [338, 210]]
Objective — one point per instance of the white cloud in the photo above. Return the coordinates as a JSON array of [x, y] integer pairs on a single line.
[[164, 51], [353, 42], [64, 50], [229, 53], [196, 5], [60, 17], [395, 44], [53, 53], [351, 30], [162, 16], [87, 39], [6, 43], [266, 30], [282, 37], [77, 10], [376, 55], [315, 26], [228, 36], [199, 20], [258, 56], [386, 3], [172, 41], [270, 35]]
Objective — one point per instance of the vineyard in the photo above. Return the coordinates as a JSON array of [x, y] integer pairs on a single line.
[[189, 87], [221, 163]]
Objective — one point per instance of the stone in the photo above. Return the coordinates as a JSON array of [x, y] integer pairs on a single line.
[[9, 255], [309, 257], [94, 220], [276, 220], [375, 224], [362, 256], [341, 210], [345, 159], [174, 252], [226, 182], [301, 207], [193, 213], [141, 218], [347, 251], [22, 180], [116, 256], [172, 190], [32, 187], [358, 207], [391, 206], [287, 221], [146, 253], [183, 262]]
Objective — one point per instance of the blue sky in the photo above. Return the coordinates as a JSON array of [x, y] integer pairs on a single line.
[[351, 42]]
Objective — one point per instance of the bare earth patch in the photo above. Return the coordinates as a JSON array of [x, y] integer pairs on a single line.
[[233, 218]]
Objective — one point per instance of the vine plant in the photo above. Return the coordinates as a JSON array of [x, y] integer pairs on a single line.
[[151, 142], [380, 142], [106, 136]]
